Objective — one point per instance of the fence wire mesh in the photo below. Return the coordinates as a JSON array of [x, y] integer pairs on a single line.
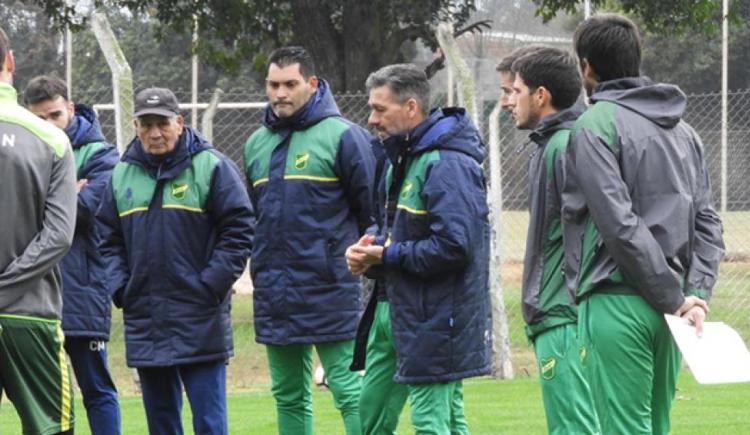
[[731, 301]]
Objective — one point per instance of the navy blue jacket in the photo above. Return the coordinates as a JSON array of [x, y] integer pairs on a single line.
[[86, 302], [310, 181], [436, 260], [177, 232]]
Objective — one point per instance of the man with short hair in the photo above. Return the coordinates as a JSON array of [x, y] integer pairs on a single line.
[[310, 173], [642, 237], [546, 87], [37, 223], [430, 327], [86, 302], [507, 76], [177, 229]]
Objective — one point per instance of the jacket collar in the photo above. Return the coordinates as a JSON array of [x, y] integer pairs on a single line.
[[551, 124], [8, 94]]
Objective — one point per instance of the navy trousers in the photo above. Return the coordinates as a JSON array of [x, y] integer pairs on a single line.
[[88, 356], [205, 386]]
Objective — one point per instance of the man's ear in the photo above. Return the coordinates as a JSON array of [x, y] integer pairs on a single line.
[[412, 108], [543, 96], [312, 81], [587, 71], [9, 64]]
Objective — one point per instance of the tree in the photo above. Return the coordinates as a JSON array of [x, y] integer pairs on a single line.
[[663, 16], [347, 38], [696, 66], [35, 43], [154, 61]]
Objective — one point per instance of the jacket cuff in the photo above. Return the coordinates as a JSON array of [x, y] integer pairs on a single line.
[[391, 255], [699, 292]]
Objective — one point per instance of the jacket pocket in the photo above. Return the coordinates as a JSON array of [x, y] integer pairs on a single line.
[[330, 260]]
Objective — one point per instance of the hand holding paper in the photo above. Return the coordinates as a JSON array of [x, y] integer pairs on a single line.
[[718, 356]]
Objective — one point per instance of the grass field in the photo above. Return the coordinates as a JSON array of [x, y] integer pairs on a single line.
[[492, 407]]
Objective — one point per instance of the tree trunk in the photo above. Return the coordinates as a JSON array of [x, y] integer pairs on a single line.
[[314, 30], [363, 44]]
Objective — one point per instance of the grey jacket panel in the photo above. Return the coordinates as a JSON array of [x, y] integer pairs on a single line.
[[37, 221], [646, 189]]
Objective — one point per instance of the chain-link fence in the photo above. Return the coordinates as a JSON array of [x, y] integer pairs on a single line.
[[731, 302]]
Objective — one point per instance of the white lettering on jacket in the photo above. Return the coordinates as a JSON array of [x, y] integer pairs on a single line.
[[9, 140]]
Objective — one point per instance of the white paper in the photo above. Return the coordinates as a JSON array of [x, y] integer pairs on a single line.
[[719, 356]]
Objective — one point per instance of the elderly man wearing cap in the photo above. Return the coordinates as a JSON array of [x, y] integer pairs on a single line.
[[177, 229]]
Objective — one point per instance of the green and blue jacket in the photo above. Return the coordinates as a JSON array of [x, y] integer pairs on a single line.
[[176, 234], [87, 304], [433, 220], [310, 179]]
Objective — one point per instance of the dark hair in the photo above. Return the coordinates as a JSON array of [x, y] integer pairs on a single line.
[[506, 62], [4, 46], [290, 55], [553, 68], [44, 88], [405, 81], [611, 45]]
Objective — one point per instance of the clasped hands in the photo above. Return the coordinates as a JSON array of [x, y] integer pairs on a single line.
[[363, 254]]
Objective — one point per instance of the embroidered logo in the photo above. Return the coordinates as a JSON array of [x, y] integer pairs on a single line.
[[582, 353], [178, 190], [547, 366], [406, 189], [300, 161]]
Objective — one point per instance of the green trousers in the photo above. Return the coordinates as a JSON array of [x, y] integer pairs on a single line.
[[435, 408], [568, 404], [35, 375], [291, 372], [633, 363]]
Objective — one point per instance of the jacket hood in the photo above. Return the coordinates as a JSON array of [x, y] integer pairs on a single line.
[[661, 103], [444, 129], [189, 143], [562, 120], [321, 105], [85, 127]]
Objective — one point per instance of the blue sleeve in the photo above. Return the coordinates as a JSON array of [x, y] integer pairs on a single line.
[[230, 209], [456, 200], [356, 170], [111, 245], [97, 170]]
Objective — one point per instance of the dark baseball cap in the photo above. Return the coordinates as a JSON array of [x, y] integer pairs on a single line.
[[156, 101]]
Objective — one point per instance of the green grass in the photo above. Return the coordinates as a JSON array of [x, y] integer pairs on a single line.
[[492, 407]]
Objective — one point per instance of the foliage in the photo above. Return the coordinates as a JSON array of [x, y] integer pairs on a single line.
[[335, 31], [663, 16], [34, 41], [694, 59]]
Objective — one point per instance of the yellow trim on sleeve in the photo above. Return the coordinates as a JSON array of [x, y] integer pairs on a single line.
[[411, 210], [183, 207], [132, 210], [310, 177], [260, 181]]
